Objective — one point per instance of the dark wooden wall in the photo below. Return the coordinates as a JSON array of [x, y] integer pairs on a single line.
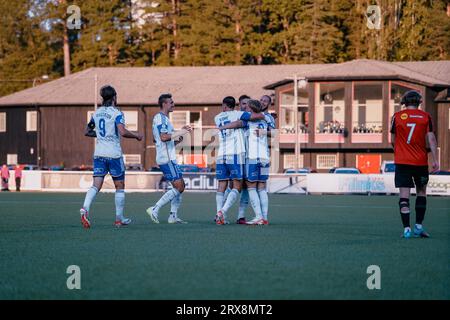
[[16, 140], [443, 133], [62, 139]]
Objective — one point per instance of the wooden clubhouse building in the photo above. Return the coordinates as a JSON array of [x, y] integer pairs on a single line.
[[343, 110]]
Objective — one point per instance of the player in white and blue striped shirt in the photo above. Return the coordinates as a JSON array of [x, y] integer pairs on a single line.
[[230, 159], [166, 139], [257, 162], [108, 125]]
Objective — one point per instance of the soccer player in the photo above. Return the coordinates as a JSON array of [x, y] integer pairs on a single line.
[[230, 156], [257, 157], [108, 125], [411, 129], [243, 201], [266, 102], [166, 139]]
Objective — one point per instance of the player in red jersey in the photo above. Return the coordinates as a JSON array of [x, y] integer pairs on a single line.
[[411, 130]]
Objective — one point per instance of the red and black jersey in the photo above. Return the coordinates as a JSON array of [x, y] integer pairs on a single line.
[[410, 127]]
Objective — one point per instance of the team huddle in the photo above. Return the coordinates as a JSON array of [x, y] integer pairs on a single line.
[[242, 158]]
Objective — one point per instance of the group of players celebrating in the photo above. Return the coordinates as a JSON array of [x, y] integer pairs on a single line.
[[243, 157]]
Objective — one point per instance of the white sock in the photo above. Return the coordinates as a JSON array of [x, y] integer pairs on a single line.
[[175, 204], [90, 196], [120, 203], [166, 198], [243, 203], [264, 200], [408, 228], [219, 200], [254, 201], [231, 199], [225, 195], [418, 226]]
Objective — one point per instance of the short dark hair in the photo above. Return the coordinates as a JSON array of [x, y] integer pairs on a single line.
[[411, 98], [108, 94], [255, 105], [229, 101], [162, 98], [270, 98], [244, 96]]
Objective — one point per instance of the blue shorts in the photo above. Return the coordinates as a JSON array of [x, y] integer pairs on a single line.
[[227, 171], [257, 172], [115, 167], [171, 171]]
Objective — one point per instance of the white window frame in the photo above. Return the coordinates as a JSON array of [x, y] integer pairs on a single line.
[[321, 158], [131, 120], [31, 125], [2, 121], [289, 161], [188, 118], [127, 158], [11, 158]]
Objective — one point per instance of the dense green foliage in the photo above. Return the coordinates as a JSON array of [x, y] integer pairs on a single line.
[[212, 32]]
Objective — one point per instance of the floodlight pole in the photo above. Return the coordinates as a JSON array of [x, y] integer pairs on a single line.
[[95, 90], [297, 151]]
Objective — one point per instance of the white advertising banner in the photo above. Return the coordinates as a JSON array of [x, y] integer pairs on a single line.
[[31, 180]]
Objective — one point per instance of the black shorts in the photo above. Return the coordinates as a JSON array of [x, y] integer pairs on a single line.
[[408, 176]]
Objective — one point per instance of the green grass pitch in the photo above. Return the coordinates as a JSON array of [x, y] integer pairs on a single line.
[[316, 247]]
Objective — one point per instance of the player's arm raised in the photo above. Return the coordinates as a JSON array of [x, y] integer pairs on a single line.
[[124, 132]]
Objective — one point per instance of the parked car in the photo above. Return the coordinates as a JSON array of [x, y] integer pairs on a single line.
[[189, 168], [387, 167], [298, 171], [134, 167], [30, 167], [441, 173], [346, 171]]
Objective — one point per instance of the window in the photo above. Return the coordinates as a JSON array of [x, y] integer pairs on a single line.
[[2, 121], [132, 158], [330, 112], [326, 161], [367, 112], [287, 111], [31, 120], [131, 120], [289, 161], [11, 158], [182, 118]]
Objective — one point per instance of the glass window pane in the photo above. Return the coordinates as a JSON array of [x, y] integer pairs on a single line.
[[367, 113], [330, 108]]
